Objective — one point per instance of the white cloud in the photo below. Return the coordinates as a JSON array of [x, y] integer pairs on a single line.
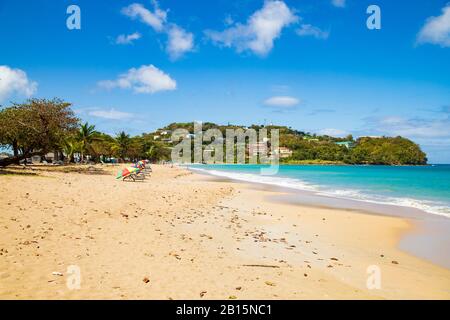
[[282, 102], [436, 29], [309, 30], [15, 82], [128, 39], [145, 79], [111, 114], [260, 30], [423, 129], [179, 42], [332, 132], [338, 3], [415, 128], [228, 20], [155, 19]]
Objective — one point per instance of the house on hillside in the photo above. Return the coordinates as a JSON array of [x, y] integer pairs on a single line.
[[255, 149], [166, 132], [284, 152], [347, 144], [309, 138]]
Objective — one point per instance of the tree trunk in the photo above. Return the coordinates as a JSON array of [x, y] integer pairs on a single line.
[[15, 149], [16, 159]]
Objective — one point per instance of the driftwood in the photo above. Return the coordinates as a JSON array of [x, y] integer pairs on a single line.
[[260, 265]]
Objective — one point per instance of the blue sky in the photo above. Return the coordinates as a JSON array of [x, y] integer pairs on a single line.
[[310, 64]]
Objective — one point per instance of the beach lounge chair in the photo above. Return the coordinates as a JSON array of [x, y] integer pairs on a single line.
[[147, 171], [134, 177], [143, 167]]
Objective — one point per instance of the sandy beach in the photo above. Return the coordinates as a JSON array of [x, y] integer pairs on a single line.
[[180, 235]]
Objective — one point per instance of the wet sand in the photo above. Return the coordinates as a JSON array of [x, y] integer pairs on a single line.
[[428, 237], [179, 235]]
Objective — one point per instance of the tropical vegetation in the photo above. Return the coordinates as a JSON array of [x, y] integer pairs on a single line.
[[40, 126]]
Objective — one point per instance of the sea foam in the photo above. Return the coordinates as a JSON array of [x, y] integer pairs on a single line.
[[347, 194]]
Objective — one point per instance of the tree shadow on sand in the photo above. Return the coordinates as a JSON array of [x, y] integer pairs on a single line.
[[9, 172], [35, 170]]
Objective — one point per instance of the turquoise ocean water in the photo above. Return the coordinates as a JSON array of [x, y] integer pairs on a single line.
[[422, 187]]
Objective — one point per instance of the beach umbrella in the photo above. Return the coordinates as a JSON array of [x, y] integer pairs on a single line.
[[126, 172], [139, 165]]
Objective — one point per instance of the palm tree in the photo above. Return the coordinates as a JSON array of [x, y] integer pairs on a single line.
[[69, 147], [150, 152], [123, 142], [85, 137]]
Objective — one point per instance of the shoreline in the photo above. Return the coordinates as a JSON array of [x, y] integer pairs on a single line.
[[194, 238], [370, 204], [395, 227], [427, 236]]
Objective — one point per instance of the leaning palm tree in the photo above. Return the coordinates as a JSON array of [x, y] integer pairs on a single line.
[[86, 135]]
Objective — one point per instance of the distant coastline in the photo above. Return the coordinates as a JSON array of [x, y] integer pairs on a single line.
[[332, 163], [71, 141], [301, 147], [340, 163]]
